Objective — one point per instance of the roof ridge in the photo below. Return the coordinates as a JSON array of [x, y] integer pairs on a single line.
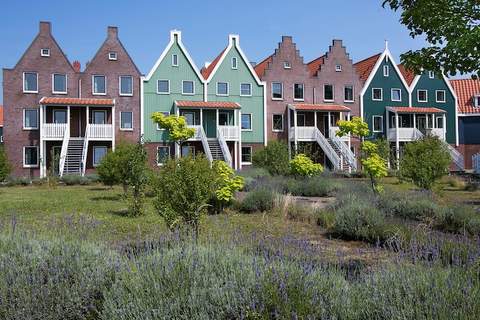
[[377, 54], [206, 72]]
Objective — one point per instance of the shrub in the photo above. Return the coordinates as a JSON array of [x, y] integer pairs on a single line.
[[258, 200], [274, 158], [312, 187], [5, 167], [226, 183], [73, 180], [458, 219], [18, 181], [107, 169], [303, 166], [415, 206], [456, 182]]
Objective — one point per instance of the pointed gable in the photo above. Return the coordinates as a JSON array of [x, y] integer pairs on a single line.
[[365, 67], [206, 72]]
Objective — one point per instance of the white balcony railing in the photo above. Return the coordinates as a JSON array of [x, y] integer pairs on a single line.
[[53, 130], [100, 131], [229, 132], [411, 134], [198, 132], [302, 133]]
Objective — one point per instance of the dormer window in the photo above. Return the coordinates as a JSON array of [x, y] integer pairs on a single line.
[[112, 56], [477, 100], [175, 60], [286, 65], [234, 63], [338, 68], [386, 71], [45, 52]]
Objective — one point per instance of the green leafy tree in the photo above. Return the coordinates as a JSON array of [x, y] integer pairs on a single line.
[[137, 179], [107, 170], [227, 183], [114, 168], [424, 161], [451, 27], [5, 167], [274, 158], [176, 126], [303, 166]]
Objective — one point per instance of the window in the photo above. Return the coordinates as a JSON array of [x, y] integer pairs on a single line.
[[386, 71], [301, 119], [377, 94], [431, 74], [98, 153], [189, 117], [188, 87], [234, 63], [328, 92], [422, 96], [59, 83], [277, 122], [396, 94], [348, 94], [188, 151], [163, 86], [246, 121], [246, 155], [126, 85], [338, 68], [59, 116], [126, 121], [223, 118], [30, 119], [298, 91], [99, 85], [476, 101], [440, 96], [222, 89], [174, 60], [45, 52], [163, 154], [439, 122], [30, 157], [166, 114], [30, 82], [287, 65], [245, 89], [99, 116], [377, 123], [277, 91], [112, 56]]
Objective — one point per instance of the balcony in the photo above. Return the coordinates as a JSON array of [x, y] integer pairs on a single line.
[[229, 133], [100, 131], [54, 131], [412, 134]]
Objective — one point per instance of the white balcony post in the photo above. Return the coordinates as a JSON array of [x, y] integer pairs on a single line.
[[444, 122], [217, 122], [289, 125], [68, 116], [42, 143], [329, 123], [177, 146], [201, 117], [397, 142], [315, 119], [296, 130], [113, 128]]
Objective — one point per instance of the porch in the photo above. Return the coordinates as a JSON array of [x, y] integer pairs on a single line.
[[406, 124]]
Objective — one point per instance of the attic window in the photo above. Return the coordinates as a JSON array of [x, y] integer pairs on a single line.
[[174, 60], [338, 68], [234, 63], [45, 52], [477, 100], [112, 56], [431, 74], [286, 65], [386, 71]]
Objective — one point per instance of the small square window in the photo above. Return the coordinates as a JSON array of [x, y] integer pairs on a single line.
[[476, 100], [234, 63], [189, 117], [126, 121], [440, 96], [98, 153], [277, 91], [112, 56], [386, 71], [348, 94], [60, 116], [422, 96], [99, 85], [440, 122], [328, 92], [30, 82], [188, 87], [188, 151], [222, 89], [298, 91], [175, 60], [338, 68], [287, 65], [224, 118], [99, 116], [126, 85], [30, 119], [377, 94], [245, 89], [246, 155], [277, 122], [396, 95], [59, 84], [163, 154], [431, 74], [246, 121], [163, 86], [30, 157], [45, 52], [377, 123]]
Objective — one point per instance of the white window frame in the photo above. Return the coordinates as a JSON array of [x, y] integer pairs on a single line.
[[174, 57], [93, 85], [187, 93], [102, 111], [24, 118], [53, 83], [112, 56], [278, 130], [93, 155], [251, 122], [168, 81], [246, 95], [234, 63], [431, 74], [251, 155], [166, 113], [333, 92], [353, 93], [287, 65], [373, 94], [54, 111], [24, 89], [301, 115], [189, 112], [120, 86], [373, 123], [228, 117], [47, 54], [281, 85], [436, 122], [338, 68], [444, 96], [191, 151], [391, 94], [386, 70], [303, 92], [38, 158], [418, 95], [221, 94], [156, 156], [125, 129]]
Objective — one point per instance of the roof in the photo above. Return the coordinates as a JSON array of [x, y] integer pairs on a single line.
[[465, 90], [320, 107], [209, 104], [77, 101], [1, 116], [262, 66], [415, 110], [408, 75], [206, 72], [365, 66], [315, 65]]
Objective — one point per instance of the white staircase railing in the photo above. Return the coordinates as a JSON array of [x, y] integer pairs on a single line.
[[203, 137], [327, 148], [344, 149], [83, 164], [63, 152], [223, 145], [457, 157], [476, 163]]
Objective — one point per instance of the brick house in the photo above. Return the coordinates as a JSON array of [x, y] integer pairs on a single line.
[[1, 124]]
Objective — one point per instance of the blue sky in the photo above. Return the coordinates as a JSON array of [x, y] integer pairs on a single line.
[[144, 25]]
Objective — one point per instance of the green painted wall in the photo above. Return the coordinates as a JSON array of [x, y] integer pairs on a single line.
[[371, 108], [431, 85], [253, 104], [165, 102]]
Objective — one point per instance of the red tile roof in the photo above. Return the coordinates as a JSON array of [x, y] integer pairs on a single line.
[[209, 104], [416, 110], [1, 116], [208, 70], [262, 66], [408, 75], [77, 101], [465, 90], [315, 65], [320, 107], [365, 67]]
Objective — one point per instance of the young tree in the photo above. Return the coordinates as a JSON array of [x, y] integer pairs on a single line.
[[5, 167], [107, 170], [451, 27], [424, 161], [274, 158], [137, 179], [114, 168], [176, 126], [226, 184]]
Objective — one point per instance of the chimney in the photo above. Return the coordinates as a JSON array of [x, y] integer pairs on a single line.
[[45, 27], [112, 32], [76, 66]]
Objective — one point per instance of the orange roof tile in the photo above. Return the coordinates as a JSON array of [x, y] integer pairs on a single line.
[[1, 116], [320, 107], [262, 66], [408, 75], [315, 65], [207, 71], [416, 110], [465, 90], [365, 66], [209, 104], [77, 101]]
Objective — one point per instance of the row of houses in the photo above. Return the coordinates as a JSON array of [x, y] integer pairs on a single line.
[[54, 108]]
